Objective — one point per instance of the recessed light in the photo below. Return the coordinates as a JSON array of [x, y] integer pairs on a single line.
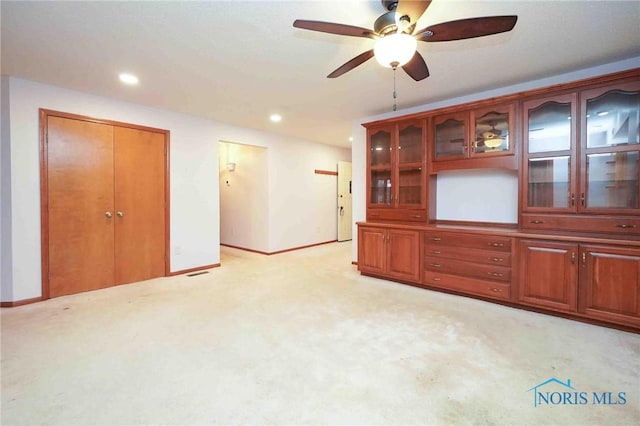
[[128, 78], [350, 138], [276, 118]]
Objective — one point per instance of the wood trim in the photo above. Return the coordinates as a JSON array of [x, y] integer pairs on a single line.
[[353, 262], [167, 205], [325, 172], [517, 96], [20, 302], [49, 112], [279, 251], [469, 223], [196, 269], [44, 205], [44, 190]]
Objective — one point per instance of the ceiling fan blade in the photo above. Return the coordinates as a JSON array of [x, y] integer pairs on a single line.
[[416, 67], [348, 66], [333, 28], [411, 8], [467, 28]]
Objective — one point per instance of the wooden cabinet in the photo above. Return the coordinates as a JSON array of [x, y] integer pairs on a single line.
[[485, 135], [610, 284], [392, 253], [596, 281], [583, 165], [484, 269], [396, 172], [548, 274]]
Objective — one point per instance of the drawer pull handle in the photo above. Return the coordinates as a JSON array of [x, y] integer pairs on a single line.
[[416, 216], [536, 222], [495, 259], [436, 265], [436, 239], [495, 290], [625, 226], [436, 252], [495, 274], [435, 279], [496, 244]]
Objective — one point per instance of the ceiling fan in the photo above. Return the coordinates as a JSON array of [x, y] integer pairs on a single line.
[[396, 40]]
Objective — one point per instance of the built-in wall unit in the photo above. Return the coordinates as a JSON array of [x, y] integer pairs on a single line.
[[566, 160]]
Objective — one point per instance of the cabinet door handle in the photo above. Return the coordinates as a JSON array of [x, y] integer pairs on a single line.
[[625, 226], [435, 239], [536, 222], [495, 290], [573, 199], [436, 252], [108, 214], [582, 199], [436, 279], [573, 257], [120, 214], [435, 265], [584, 258], [496, 244], [495, 274], [495, 259]]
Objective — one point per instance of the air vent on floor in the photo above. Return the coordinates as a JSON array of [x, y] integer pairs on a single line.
[[197, 273]]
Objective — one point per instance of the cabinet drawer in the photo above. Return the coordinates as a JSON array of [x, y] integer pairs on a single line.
[[486, 242], [397, 214], [467, 285], [477, 270], [602, 224], [487, 257]]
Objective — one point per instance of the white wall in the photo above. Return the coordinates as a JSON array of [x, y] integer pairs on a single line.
[[194, 181], [455, 186], [244, 197], [5, 194]]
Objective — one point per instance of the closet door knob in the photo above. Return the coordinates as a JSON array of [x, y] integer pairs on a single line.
[[120, 214], [108, 214]]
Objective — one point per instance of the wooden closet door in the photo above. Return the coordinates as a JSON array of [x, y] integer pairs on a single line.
[[80, 199], [140, 161]]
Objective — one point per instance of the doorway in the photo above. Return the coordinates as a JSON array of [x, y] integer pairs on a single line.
[[104, 198], [345, 226]]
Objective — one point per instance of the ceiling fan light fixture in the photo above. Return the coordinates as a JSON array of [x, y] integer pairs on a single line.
[[492, 139], [396, 48]]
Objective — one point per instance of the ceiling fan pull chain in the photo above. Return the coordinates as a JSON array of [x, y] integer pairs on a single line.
[[394, 89]]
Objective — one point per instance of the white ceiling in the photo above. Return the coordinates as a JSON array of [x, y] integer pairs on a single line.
[[239, 61]]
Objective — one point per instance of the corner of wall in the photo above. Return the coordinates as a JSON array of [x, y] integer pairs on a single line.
[[6, 268]]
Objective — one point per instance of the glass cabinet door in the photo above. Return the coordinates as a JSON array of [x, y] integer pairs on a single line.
[[450, 133], [381, 187], [411, 177], [410, 143], [380, 149], [550, 154], [380, 167], [611, 144], [491, 131], [549, 182]]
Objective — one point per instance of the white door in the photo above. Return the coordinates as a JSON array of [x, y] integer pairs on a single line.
[[344, 201]]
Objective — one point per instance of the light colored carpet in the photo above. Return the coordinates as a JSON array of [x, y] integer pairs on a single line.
[[301, 338]]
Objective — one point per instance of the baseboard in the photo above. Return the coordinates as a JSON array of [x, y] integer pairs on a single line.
[[279, 251], [198, 268], [20, 302]]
